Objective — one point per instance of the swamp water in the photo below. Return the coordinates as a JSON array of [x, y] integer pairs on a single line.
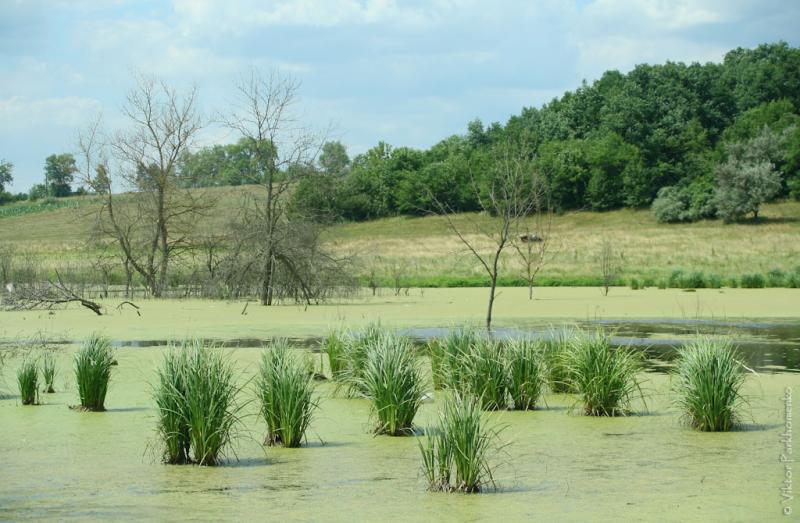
[[61, 464]]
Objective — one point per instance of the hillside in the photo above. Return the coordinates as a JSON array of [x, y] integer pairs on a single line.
[[422, 251]]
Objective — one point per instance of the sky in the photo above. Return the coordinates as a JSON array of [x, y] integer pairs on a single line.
[[406, 72]]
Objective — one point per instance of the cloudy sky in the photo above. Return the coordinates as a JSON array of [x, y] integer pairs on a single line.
[[407, 72]]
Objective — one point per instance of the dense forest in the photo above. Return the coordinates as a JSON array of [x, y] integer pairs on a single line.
[[692, 141]]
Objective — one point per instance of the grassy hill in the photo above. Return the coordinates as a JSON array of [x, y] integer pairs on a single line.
[[422, 251]]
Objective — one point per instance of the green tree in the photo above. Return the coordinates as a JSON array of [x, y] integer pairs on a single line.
[[333, 159], [6, 169], [59, 172]]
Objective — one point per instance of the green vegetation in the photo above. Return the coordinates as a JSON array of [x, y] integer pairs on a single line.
[[354, 346], [485, 373], [28, 380], [392, 381], [285, 389], [707, 384], [555, 358], [456, 454], [49, 371], [446, 354], [334, 346], [93, 364], [196, 398], [603, 378], [526, 373]]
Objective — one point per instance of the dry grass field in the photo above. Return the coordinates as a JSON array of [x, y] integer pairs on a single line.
[[422, 251]]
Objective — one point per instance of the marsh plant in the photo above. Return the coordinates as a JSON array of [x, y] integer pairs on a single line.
[[484, 369], [605, 379], [28, 380], [93, 364], [707, 384], [525, 373], [456, 454], [49, 372], [393, 383], [285, 390], [555, 360], [334, 346], [447, 355], [353, 357], [196, 400]]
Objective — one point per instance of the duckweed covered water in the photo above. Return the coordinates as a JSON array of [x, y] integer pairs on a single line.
[[60, 464]]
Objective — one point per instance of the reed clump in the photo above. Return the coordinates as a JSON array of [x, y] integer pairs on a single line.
[[707, 384], [605, 379], [28, 381], [392, 381], [49, 372], [285, 390], [196, 398], [456, 454], [93, 364]]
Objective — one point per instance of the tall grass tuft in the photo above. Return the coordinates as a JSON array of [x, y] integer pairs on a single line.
[[28, 380], [210, 402], [93, 364], [455, 455], [484, 372], [354, 357], [170, 397], [555, 359], [334, 346], [525, 370], [708, 382], [447, 357], [285, 389], [392, 381], [604, 378], [49, 372]]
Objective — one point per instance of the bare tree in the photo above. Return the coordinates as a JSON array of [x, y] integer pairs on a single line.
[[533, 240], [46, 295], [509, 199], [151, 224], [281, 151], [609, 268]]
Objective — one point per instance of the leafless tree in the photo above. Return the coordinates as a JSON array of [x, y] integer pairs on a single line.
[[507, 197], [609, 267], [282, 151], [47, 295], [151, 224], [533, 241]]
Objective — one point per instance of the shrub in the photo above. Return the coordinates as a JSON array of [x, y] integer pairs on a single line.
[[714, 281], [707, 384], [635, 284], [752, 281], [49, 372], [392, 381], [604, 378], [776, 278], [695, 280], [28, 380], [285, 389], [455, 455], [526, 375], [93, 364]]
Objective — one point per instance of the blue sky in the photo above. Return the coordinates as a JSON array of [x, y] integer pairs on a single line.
[[407, 72]]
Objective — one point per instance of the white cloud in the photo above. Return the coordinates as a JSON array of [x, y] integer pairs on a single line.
[[19, 113]]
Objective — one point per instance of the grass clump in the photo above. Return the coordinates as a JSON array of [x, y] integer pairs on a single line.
[[605, 379], [93, 364], [708, 382], [196, 400], [485, 374], [555, 361], [752, 281], [525, 371], [334, 346], [285, 390], [49, 372], [447, 356], [392, 381], [28, 381], [353, 357], [455, 455]]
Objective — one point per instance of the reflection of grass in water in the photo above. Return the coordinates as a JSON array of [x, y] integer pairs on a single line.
[[708, 381]]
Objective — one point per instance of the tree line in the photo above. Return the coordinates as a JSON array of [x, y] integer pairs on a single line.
[[692, 141]]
